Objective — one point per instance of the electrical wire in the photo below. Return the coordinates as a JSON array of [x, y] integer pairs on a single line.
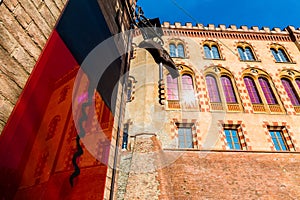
[[195, 20]]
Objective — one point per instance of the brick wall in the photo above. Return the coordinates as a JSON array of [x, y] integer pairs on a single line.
[[172, 174], [231, 175], [25, 26]]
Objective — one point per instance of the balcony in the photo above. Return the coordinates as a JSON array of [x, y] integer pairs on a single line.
[[297, 109], [233, 107], [275, 108], [216, 106], [259, 108]]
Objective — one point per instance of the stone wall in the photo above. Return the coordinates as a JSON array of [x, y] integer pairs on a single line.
[[25, 26]]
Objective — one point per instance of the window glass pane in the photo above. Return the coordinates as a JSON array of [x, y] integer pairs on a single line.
[[172, 88], [212, 88], [282, 55], [242, 54], [215, 52], [277, 146], [298, 83], [228, 89], [125, 137], [281, 142], [188, 94], [252, 90], [207, 52], [274, 52], [185, 137], [172, 50], [232, 138], [266, 88], [180, 51], [290, 91], [237, 146], [249, 53], [278, 140]]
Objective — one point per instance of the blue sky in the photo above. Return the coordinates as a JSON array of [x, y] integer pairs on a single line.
[[251, 13]]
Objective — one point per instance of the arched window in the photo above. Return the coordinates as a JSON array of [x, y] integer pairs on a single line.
[[180, 91], [262, 92], [177, 51], [290, 80], [291, 92], [180, 50], [187, 89], [252, 90], [246, 53], [215, 52], [212, 88], [207, 51], [280, 55], [211, 52], [267, 91], [298, 83], [172, 50], [228, 89], [221, 90], [172, 88]]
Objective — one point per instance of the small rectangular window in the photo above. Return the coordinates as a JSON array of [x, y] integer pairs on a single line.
[[278, 140], [281, 138], [232, 138], [185, 136], [125, 137]]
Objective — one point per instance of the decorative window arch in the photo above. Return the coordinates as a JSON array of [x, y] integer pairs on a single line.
[[211, 50], [222, 90], [246, 52], [261, 91], [290, 80], [177, 49], [181, 90], [280, 54]]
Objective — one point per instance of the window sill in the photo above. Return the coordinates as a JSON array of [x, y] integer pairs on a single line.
[[222, 59], [250, 60], [179, 57], [285, 62]]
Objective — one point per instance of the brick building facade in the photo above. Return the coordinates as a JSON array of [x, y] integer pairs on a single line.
[[226, 128]]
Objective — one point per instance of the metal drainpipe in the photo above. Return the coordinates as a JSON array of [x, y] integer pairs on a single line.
[[126, 69]]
